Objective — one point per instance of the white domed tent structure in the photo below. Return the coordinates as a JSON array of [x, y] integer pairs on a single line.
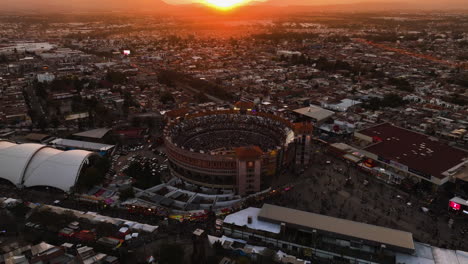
[[38, 165]]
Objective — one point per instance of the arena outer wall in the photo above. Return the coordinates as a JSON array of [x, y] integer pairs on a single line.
[[244, 169]]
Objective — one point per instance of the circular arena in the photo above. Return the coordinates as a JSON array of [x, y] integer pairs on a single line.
[[229, 149]]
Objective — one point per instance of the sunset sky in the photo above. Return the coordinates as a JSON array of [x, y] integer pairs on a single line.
[[317, 2], [185, 1], [78, 5], [311, 2], [418, 3]]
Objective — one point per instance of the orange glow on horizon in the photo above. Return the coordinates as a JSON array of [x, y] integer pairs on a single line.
[[225, 4]]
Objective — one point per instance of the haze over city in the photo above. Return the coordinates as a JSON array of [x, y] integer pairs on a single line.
[[233, 131], [157, 5]]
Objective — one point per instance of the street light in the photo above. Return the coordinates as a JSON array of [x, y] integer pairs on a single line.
[[314, 232]]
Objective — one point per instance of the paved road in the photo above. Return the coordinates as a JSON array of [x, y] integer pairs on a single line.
[[322, 189]]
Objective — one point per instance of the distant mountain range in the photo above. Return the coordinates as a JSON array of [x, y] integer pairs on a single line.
[[273, 5], [83, 5], [357, 4]]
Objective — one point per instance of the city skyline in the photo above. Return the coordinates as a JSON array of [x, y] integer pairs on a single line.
[[233, 131], [158, 5]]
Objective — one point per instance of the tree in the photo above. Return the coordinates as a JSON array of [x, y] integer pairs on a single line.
[[201, 98], [116, 77], [389, 100], [90, 177], [462, 79], [392, 100], [77, 104], [40, 90], [373, 104], [96, 173], [103, 164], [268, 256], [143, 175], [150, 122], [8, 223], [218, 249], [457, 99], [136, 122], [64, 84], [105, 229], [42, 123], [401, 84], [20, 210], [4, 58], [133, 170], [171, 254], [166, 97], [55, 122], [243, 260], [126, 194]]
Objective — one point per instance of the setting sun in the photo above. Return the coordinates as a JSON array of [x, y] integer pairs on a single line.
[[225, 4]]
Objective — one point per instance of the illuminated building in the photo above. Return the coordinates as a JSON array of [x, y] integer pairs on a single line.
[[30, 165], [239, 150], [319, 236], [402, 153]]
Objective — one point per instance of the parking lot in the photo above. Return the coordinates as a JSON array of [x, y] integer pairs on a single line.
[[329, 186], [324, 189], [141, 154]]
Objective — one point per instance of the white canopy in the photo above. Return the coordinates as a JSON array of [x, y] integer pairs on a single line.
[[14, 160], [39, 165]]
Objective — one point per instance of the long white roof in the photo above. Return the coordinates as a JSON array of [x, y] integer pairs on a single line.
[[39, 165], [341, 227], [14, 160], [6, 144]]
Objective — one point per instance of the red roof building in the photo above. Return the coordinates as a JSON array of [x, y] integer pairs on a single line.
[[177, 112], [412, 152], [244, 105]]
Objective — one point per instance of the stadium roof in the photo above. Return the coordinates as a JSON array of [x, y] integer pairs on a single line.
[[245, 105], [177, 112], [6, 144], [39, 165], [95, 133], [343, 227], [68, 143], [60, 171], [14, 160], [417, 151], [315, 112]]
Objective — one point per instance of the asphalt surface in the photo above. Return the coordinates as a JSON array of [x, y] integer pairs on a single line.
[[323, 189]]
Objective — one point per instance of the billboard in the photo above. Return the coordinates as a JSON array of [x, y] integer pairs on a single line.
[[455, 206]]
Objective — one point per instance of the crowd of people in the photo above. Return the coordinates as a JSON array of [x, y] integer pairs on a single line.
[[212, 132], [218, 139], [340, 189]]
